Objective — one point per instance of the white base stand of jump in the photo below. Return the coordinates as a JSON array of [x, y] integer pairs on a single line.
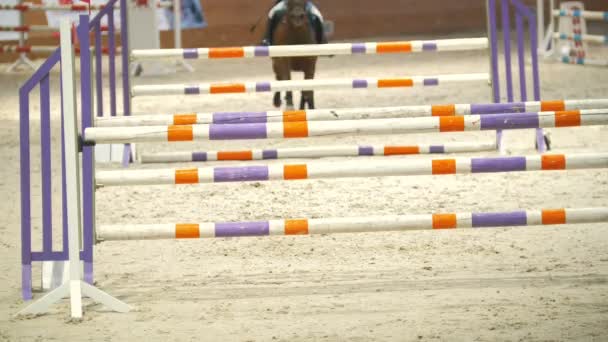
[[142, 21], [114, 153], [75, 288]]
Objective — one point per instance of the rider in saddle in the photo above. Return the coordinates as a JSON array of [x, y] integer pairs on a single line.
[[278, 11]]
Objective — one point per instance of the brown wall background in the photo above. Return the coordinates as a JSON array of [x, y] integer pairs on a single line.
[[230, 20]]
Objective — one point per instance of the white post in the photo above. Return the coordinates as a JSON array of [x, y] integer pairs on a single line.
[[177, 31], [75, 288]]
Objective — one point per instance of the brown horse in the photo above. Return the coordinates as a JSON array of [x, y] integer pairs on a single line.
[[294, 28]]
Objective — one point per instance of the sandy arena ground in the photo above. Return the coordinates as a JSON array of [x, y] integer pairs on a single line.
[[512, 284]]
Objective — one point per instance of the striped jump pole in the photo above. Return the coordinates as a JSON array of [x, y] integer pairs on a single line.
[[348, 113], [37, 28], [305, 129], [348, 169], [272, 86], [385, 223], [42, 49], [369, 48], [317, 152], [26, 6], [589, 15], [26, 49], [590, 38]]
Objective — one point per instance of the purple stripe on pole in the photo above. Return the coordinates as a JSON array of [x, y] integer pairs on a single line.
[[437, 149], [241, 131], [429, 47], [500, 164], [509, 121], [366, 151], [270, 154], [239, 117], [240, 174], [359, 83], [515, 218], [262, 86], [261, 51], [358, 48], [493, 108], [192, 90], [199, 156], [242, 229], [431, 81], [87, 272], [26, 282], [190, 53]]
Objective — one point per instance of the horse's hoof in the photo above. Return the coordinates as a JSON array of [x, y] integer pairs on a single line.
[[289, 107], [548, 142]]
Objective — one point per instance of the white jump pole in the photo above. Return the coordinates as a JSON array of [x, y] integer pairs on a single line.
[[349, 169], [75, 288], [370, 224], [307, 129]]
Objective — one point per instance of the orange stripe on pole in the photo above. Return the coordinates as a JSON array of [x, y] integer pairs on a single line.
[[180, 133], [400, 150], [443, 110], [184, 119], [297, 129], [395, 82], [227, 88], [235, 155], [444, 167], [229, 52], [553, 162], [444, 221], [552, 106], [294, 115], [291, 172], [296, 227], [554, 216], [568, 118], [187, 231], [451, 123], [186, 176], [393, 47]]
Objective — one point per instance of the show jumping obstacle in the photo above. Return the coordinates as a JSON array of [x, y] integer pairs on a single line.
[[465, 44], [573, 31], [348, 113], [320, 170], [351, 224], [317, 152], [503, 116], [305, 129], [272, 86], [23, 49]]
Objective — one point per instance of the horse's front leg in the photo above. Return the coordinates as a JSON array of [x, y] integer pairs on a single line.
[[289, 100], [276, 101], [308, 96]]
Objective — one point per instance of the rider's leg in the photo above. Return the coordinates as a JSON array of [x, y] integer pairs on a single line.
[[317, 23], [273, 20]]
